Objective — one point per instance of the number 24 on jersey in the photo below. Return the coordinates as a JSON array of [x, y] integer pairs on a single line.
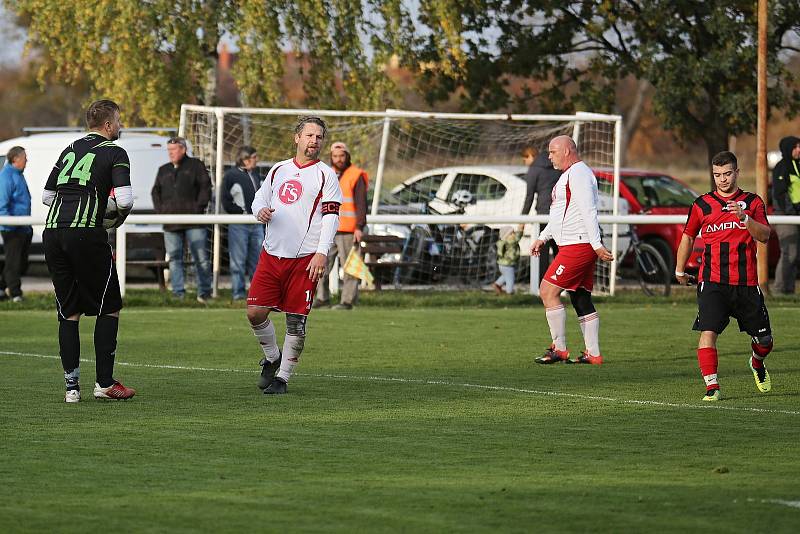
[[82, 171]]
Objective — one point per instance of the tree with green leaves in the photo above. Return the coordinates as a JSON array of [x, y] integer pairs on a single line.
[[699, 56], [152, 56]]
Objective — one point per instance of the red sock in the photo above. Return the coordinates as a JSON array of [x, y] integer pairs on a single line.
[[707, 358], [759, 353]]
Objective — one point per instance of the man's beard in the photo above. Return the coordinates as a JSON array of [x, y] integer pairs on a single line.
[[312, 153]]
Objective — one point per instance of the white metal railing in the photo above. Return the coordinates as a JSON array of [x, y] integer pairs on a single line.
[[133, 220]]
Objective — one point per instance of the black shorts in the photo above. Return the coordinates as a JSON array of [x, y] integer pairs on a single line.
[[716, 303], [83, 271]]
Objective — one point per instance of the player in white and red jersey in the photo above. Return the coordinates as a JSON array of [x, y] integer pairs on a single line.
[[299, 202], [574, 227]]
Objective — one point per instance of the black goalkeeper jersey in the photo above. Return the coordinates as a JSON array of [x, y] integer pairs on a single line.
[[83, 177]]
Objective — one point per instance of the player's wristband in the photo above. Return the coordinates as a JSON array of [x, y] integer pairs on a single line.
[[680, 273], [746, 219]]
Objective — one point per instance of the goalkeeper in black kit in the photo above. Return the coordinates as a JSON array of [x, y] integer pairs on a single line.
[[76, 246]]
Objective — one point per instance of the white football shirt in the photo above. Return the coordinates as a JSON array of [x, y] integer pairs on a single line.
[[573, 212], [297, 194]]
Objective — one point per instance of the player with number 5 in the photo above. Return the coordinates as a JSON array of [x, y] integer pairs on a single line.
[[299, 203], [575, 228]]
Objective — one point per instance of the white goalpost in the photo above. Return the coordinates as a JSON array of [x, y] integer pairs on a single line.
[[416, 162]]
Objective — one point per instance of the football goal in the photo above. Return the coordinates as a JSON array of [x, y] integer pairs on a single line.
[[442, 186]]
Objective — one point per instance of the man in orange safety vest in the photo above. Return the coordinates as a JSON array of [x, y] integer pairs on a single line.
[[354, 183]]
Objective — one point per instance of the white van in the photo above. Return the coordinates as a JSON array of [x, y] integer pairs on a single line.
[[147, 152]]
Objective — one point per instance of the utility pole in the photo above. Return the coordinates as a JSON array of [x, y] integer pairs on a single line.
[[761, 137]]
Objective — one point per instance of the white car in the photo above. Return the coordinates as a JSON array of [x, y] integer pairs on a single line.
[[494, 190], [147, 152]]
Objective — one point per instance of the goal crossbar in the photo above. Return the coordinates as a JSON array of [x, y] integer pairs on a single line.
[[404, 114]]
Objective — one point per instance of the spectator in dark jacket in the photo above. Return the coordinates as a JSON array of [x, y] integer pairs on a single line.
[[184, 187], [786, 201], [239, 187], [540, 179], [15, 200]]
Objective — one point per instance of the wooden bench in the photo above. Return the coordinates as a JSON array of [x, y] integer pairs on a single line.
[[152, 246], [375, 246]]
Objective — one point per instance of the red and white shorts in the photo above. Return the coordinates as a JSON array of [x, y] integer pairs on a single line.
[[573, 267], [282, 284]]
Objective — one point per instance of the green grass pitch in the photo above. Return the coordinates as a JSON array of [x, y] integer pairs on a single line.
[[416, 420]]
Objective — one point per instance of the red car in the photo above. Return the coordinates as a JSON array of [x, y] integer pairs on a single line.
[[659, 194]]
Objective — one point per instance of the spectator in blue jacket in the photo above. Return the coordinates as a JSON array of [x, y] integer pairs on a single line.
[[15, 200], [239, 186]]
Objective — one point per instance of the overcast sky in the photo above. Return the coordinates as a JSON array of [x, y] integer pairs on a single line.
[[12, 37]]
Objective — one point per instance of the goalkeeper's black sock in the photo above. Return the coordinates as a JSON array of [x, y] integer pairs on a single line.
[[105, 348], [69, 343]]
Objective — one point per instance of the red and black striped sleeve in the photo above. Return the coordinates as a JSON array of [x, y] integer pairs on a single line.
[[759, 210], [695, 220]]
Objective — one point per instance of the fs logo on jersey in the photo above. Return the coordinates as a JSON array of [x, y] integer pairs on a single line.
[[290, 191]]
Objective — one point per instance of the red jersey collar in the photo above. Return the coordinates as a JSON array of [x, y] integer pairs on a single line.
[[310, 163]]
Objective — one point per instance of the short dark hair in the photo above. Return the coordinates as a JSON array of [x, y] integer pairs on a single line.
[[725, 158], [311, 119], [14, 153], [100, 112], [245, 152]]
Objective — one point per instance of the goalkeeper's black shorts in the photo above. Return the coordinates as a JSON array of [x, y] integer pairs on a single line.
[[83, 271]]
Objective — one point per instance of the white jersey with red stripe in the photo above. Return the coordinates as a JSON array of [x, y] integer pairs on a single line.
[[573, 212], [300, 196]]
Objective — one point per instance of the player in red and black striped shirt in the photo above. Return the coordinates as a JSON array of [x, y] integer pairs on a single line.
[[730, 221]]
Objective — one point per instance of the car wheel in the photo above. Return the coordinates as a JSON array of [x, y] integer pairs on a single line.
[[487, 271], [414, 251]]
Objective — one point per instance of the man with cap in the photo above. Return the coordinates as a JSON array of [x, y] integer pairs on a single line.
[[354, 183]]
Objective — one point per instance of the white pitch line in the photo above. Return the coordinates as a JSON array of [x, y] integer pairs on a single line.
[[439, 383], [790, 504]]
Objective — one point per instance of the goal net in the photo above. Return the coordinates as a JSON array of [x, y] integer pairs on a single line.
[[422, 165]]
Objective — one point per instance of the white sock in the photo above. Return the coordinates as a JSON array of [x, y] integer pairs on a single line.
[[265, 333], [590, 326], [292, 348], [557, 320]]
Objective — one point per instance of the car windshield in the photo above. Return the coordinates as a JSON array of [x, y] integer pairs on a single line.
[[660, 191], [422, 190]]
